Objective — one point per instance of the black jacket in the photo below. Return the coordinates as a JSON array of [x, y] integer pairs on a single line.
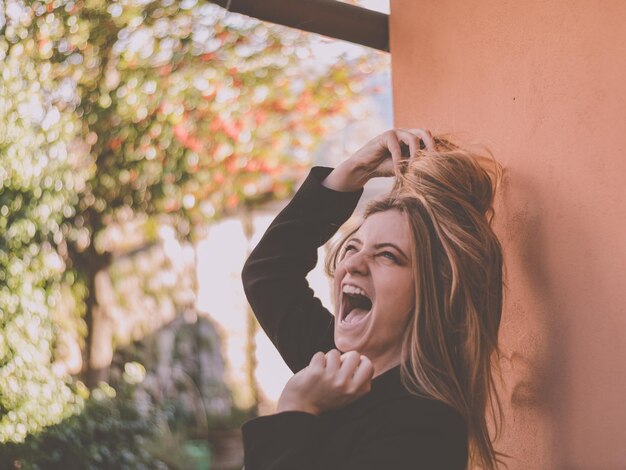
[[386, 429]]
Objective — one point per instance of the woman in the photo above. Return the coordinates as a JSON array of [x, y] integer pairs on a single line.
[[400, 376]]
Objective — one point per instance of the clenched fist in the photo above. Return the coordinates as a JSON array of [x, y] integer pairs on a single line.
[[331, 380]]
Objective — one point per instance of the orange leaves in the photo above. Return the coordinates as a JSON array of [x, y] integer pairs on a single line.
[[231, 164], [186, 139], [171, 205], [115, 143], [252, 165], [305, 101], [218, 177], [260, 116], [194, 144], [230, 127], [232, 201], [165, 70], [181, 132], [215, 125]]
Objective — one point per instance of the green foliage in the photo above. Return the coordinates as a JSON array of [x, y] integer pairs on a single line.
[[39, 182], [113, 109], [108, 433], [178, 453]]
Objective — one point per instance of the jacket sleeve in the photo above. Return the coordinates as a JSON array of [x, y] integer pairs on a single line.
[[407, 441], [274, 275]]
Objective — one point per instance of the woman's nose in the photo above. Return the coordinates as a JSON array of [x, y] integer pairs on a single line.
[[356, 263]]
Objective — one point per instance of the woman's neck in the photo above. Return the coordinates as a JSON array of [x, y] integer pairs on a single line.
[[382, 365]]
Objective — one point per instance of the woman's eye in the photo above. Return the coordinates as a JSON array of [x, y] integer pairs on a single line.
[[389, 255], [349, 248]]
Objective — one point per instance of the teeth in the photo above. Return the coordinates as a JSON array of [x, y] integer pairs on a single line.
[[347, 289]]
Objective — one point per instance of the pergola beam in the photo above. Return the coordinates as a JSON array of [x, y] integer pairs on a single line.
[[327, 17]]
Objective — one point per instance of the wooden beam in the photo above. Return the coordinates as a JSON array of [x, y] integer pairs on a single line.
[[330, 18]]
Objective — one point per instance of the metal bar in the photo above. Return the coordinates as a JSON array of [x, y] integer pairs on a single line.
[[327, 17]]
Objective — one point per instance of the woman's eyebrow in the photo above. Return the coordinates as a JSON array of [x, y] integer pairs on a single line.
[[382, 245]]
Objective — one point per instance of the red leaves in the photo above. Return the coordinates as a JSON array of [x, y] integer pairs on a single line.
[[232, 201], [171, 205], [304, 102], [115, 143], [230, 127], [218, 177], [181, 132], [187, 140], [252, 165], [165, 70], [231, 164], [260, 117]]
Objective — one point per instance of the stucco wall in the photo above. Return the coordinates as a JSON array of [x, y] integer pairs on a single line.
[[544, 85]]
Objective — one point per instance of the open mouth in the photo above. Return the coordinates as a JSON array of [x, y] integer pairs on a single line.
[[355, 305]]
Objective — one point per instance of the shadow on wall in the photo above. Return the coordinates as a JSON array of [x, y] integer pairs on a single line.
[[533, 344]]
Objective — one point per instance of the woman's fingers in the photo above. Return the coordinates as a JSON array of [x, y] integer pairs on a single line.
[[411, 139], [318, 361], [425, 135], [349, 363], [333, 361], [364, 372], [331, 380], [372, 160], [390, 140], [356, 373]]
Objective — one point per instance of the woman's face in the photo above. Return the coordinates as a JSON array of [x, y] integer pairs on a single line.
[[376, 261]]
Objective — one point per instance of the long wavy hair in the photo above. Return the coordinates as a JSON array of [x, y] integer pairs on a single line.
[[450, 351]]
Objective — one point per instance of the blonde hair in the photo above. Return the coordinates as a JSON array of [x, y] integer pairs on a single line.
[[451, 347]]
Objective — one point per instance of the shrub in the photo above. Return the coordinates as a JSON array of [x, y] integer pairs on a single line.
[[108, 434]]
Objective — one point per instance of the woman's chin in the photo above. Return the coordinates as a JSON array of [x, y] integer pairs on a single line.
[[344, 345]]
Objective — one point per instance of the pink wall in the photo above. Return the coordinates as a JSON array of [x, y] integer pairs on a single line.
[[543, 83]]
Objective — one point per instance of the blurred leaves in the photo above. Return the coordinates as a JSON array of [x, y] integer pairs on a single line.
[[112, 110], [192, 111], [40, 178], [107, 434]]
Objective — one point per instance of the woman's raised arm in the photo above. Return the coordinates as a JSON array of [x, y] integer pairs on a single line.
[[274, 276]]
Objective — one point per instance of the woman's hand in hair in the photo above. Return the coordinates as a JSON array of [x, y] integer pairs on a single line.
[[381, 156], [330, 381]]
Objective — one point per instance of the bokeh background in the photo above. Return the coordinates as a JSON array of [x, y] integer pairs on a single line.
[[144, 147]]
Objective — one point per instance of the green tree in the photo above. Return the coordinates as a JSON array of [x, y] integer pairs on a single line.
[[40, 177], [191, 112], [136, 107]]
